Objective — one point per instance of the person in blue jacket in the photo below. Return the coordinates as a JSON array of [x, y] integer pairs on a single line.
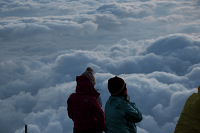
[[120, 114]]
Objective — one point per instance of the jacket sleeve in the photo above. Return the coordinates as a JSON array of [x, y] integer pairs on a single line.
[[98, 114], [69, 107], [132, 113]]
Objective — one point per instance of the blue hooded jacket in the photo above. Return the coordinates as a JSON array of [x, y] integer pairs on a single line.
[[121, 116]]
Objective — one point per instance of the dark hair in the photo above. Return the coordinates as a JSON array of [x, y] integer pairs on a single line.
[[116, 85], [122, 93]]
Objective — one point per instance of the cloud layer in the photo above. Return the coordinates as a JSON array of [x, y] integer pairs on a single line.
[[40, 26], [44, 44], [35, 90]]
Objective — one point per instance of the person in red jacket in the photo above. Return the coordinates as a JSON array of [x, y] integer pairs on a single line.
[[83, 106]]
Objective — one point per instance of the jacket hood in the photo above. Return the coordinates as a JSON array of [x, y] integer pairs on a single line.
[[84, 87]]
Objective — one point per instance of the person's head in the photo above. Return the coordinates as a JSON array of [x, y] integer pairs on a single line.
[[117, 86], [89, 73]]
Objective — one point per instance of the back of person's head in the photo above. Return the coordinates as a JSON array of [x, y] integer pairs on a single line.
[[89, 73], [117, 86]]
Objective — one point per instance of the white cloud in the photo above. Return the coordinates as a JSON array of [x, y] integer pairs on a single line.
[[169, 44], [53, 97], [159, 89], [198, 2], [45, 44], [31, 128], [78, 24], [171, 18], [129, 10], [54, 127], [42, 28], [13, 31], [107, 22], [49, 119], [193, 76], [36, 8], [149, 124], [139, 130]]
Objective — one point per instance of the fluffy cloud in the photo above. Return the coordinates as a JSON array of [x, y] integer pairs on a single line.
[[128, 10], [107, 22], [167, 44], [36, 8], [31, 128], [45, 44], [149, 122], [198, 2], [35, 90], [26, 28], [36, 25]]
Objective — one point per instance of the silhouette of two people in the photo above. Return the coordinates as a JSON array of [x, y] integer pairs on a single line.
[[84, 107]]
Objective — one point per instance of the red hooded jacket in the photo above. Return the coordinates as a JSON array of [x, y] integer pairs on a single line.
[[83, 106]]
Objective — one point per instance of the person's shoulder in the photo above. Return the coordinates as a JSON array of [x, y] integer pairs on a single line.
[[72, 96], [198, 96], [115, 99], [119, 102], [194, 95], [123, 104]]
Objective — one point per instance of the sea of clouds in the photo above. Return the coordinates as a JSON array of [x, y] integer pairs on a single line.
[[154, 45]]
